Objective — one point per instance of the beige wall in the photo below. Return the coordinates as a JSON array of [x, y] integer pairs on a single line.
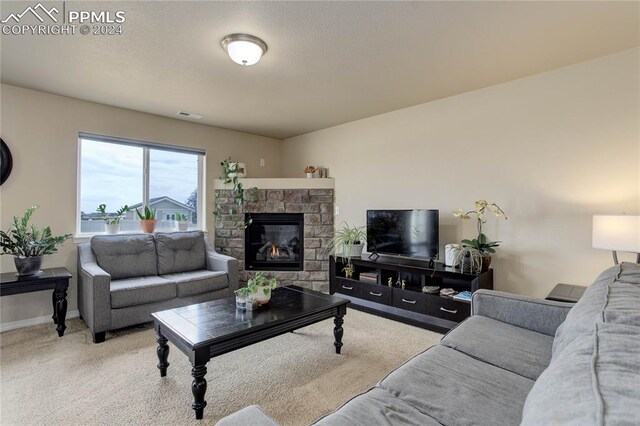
[[42, 129], [552, 149]]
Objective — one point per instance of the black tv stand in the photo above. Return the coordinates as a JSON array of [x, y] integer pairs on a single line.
[[408, 304]]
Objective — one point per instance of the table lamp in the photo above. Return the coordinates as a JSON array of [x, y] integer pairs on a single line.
[[617, 233]]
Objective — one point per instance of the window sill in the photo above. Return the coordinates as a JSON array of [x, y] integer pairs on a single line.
[[84, 238]]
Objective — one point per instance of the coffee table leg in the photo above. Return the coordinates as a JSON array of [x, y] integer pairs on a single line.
[[199, 388], [163, 354], [61, 310], [338, 332]]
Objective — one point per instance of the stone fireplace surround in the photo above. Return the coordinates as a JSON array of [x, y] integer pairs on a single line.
[[312, 197]]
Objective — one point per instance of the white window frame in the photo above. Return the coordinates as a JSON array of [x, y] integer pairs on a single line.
[[146, 148]]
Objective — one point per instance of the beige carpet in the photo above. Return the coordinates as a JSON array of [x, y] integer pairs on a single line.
[[296, 377]]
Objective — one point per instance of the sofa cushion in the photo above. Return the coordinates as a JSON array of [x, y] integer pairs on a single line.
[[180, 252], [197, 282], [252, 415], [377, 407], [516, 349], [125, 256], [140, 291], [454, 388], [614, 298], [595, 380]]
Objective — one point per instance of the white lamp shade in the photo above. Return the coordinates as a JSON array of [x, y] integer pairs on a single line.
[[616, 233]]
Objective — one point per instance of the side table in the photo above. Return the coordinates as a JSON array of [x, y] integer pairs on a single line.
[[55, 278], [566, 293]]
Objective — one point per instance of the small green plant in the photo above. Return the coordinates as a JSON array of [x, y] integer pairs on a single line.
[[231, 170], [239, 192], [259, 281], [469, 259], [181, 217], [344, 238], [112, 220], [148, 214], [26, 240], [243, 292]]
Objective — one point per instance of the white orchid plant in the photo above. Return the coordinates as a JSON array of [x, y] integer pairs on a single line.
[[483, 209]]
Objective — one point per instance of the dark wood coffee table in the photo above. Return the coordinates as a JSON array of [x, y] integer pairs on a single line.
[[209, 329]]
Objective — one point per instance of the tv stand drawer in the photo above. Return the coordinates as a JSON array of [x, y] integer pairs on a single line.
[[449, 309], [410, 300], [376, 293], [348, 287]]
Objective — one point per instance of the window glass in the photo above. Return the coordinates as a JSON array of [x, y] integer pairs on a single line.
[[173, 187], [115, 174], [111, 174]]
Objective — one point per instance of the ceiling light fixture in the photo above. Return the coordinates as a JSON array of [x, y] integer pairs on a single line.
[[244, 49]]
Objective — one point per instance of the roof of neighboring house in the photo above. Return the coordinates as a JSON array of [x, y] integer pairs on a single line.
[[156, 200]]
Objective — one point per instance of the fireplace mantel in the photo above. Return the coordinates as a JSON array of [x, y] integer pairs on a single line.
[[280, 183]]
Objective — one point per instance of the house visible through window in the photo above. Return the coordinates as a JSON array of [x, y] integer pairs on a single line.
[[118, 172]]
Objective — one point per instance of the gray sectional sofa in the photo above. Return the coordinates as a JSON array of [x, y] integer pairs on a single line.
[[516, 360], [122, 279]]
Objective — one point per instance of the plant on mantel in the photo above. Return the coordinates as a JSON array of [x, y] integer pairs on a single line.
[[240, 194]]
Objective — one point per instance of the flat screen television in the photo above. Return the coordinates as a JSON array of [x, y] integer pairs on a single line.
[[411, 233]]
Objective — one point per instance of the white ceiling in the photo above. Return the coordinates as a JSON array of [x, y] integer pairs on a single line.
[[328, 62]]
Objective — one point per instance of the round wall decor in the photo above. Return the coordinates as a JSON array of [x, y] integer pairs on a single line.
[[6, 162]]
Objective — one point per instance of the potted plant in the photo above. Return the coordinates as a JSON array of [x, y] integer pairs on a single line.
[[469, 259], [260, 287], [348, 242], [112, 223], [238, 191], [241, 297], [310, 170], [482, 244], [147, 220], [182, 222], [29, 244]]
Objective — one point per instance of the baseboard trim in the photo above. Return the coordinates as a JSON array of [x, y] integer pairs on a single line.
[[34, 321]]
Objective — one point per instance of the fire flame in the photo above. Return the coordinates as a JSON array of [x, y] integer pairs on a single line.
[[274, 251]]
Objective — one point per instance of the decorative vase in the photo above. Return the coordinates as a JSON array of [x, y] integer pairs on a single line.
[[241, 302], [486, 262], [28, 265], [466, 264], [309, 175], [112, 228], [450, 251], [263, 295], [183, 225], [148, 226]]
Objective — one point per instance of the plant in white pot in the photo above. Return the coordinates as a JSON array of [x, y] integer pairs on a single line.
[[112, 223], [260, 287], [348, 241], [182, 221], [29, 244]]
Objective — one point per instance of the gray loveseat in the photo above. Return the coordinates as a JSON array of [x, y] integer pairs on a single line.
[[516, 360], [122, 279]]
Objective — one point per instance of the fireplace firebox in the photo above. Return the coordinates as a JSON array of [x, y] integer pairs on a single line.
[[274, 242]]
